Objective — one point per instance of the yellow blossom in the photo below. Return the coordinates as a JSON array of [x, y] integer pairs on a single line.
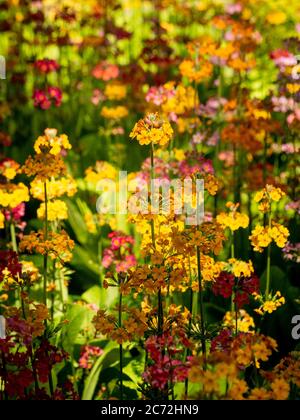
[[57, 210], [281, 389], [152, 130], [114, 113], [51, 143], [115, 91], [276, 18], [233, 220]]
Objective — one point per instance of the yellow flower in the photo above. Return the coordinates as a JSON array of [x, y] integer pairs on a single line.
[[2, 220], [115, 91], [293, 88], [152, 130], [280, 234], [266, 196], [115, 113], [245, 321], [51, 143], [102, 170], [210, 382], [276, 18], [259, 394], [233, 220], [90, 223], [240, 268], [182, 101], [9, 169], [260, 238], [12, 195], [57, 210], [281, 389], [237, 390], [195, 73], [179, 154], [271, 304], [55, 188]]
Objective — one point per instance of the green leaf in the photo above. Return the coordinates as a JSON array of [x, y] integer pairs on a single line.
[[92, 380], [78, 317]]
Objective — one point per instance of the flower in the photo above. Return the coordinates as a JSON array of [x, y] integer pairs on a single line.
[[55, 188], [193, 72], [56, 210], [115, 91], [276, 18], [46, 66], [105, 71], [114, 113], [45, 98], [57, 246], [9, 168], [261, 236], [12, 195], [51, 143], [233, 220], [266, 196], [271, 304], [119, 254], [245, 322], [88, 356], [9, 265], [281, 389], [152, 130]]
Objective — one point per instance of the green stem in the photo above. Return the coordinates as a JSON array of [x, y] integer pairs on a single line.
[[160, 314], [232, 256], [187, 352], [268, 282], [121, 347], [201, 305], [46, 238], [13, 238], [236, 316]]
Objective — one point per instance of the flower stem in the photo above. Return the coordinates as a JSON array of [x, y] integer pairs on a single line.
[[160, 314], [201, 305], [121, 346], [232, 256], [268, 282], [46, 227], [13, 238], [236, 316]]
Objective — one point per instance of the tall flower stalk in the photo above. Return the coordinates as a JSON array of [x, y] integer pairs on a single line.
[[160, 314], [46, 231], [120, 309]]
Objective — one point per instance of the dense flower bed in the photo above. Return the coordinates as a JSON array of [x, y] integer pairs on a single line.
[[108, 291]]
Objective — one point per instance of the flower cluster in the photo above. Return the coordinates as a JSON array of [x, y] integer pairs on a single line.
[[261, 237], [152, 130], [119, 255]]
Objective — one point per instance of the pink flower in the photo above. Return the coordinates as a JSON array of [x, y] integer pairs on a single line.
[[119, 255], [295, 116], [159, 94], [41, 99], [234, 8], [97, 97], [44, 99], [89, 355], [166, 367], [283, 58], [56, 94]]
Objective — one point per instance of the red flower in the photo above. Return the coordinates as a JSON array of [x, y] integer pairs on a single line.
[[46, 66], [224, 285], [9, 260]]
